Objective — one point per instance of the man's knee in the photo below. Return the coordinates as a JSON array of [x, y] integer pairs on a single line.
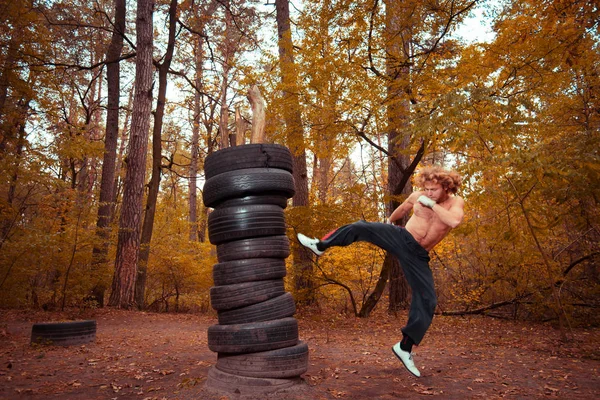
[[361, 224], [360, 227]]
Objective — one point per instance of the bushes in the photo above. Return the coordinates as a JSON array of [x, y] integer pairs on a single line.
[[45, 261]]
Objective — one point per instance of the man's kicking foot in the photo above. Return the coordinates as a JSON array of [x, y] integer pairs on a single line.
[[309, 243], [407, 360]]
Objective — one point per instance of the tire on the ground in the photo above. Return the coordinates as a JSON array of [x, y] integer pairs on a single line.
[[287, 362], [253, 337], [276, 200], [64, 333], [263, 155], [226, 224], [228, 297], [237, 385], [263, 247], [276, 308], [247, 182], [248, 270]]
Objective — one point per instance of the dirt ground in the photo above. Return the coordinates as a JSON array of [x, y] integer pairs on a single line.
[[147, 356]]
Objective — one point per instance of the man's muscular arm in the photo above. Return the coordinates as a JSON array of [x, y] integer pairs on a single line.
[[404, 208], [451, 217]]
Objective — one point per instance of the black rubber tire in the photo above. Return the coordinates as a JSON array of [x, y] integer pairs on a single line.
[[287, 362], [275, 308], [245, 386], [261, 155], [276, 200], [226, 224], [253, 337], [248, 270], [247, 182], [228, 297], [64, 333], [264, 247]]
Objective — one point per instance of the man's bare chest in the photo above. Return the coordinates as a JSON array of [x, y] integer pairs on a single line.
[[424, 213], [426, 216]]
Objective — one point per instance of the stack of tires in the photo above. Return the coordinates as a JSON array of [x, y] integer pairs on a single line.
[[257, 337]]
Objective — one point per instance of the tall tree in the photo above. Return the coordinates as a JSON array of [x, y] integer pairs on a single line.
[[107, 181], [128, 244], [7, 74], [198, 54], [227, 51], [295, 140], [201, 15], [20, 31], [397, 36], [528, 96], [154, 184], [408, 25]]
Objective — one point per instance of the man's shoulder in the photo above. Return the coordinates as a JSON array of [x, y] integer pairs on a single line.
[[457, 201]]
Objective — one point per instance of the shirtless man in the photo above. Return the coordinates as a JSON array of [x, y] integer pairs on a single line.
[[436, 210]]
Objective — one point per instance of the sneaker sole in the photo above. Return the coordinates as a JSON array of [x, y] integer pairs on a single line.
[[312, 251], [398, 357]]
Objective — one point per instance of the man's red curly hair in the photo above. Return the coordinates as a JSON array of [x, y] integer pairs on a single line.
[[450, 180]]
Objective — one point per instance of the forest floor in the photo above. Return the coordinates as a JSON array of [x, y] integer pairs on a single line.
[[140, 355]]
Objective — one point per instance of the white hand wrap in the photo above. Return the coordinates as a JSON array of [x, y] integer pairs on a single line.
[[426, 201]]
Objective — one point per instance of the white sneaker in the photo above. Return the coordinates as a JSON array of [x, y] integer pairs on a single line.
[[406, 359], [309, 243]]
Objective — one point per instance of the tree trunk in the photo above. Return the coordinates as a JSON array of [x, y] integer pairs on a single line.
[[154, 185], [5, 83], [9, 219], [120, 156], [93, 132], [303, 267], [193, 171], [258, 115], [107, 186], [376, 294], [198, 225], [326, 147], [224, 113], [240, 128], [85, 183], [128, 244], [398, 36], [399, 168], [326, 132]]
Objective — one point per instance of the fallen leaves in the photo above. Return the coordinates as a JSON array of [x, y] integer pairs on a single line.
[[164, 371], [25, 391], [421, 389], [190, 382], [354, 365], [551, 391], [336, 393]]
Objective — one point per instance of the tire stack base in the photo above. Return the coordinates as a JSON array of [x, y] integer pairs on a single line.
[[244, 385], [257, 337]]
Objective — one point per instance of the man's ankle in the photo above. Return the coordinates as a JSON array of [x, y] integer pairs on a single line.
[[406, 343]]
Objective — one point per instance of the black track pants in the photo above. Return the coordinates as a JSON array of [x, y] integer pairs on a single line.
[[414, 260]]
